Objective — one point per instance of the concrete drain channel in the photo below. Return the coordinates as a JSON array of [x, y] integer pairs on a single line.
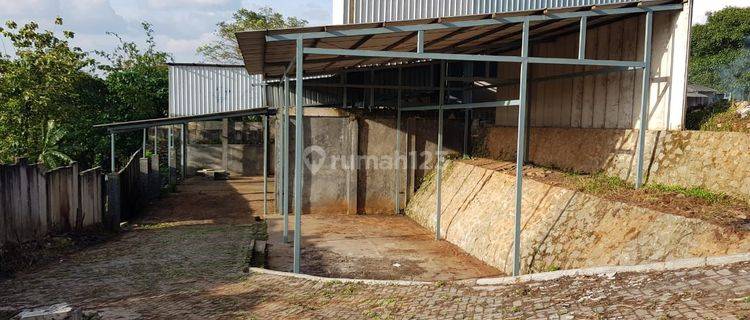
[[256, 255]]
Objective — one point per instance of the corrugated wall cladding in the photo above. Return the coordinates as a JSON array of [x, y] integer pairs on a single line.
[[606, 100], [363, 11], [204, 89]]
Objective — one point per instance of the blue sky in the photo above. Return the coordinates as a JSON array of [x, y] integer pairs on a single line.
[[180, 25]]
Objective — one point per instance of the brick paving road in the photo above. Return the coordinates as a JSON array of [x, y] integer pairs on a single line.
[[193, 271], [187, 265]]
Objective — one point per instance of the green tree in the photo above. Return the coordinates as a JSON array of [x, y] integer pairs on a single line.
[[225, 48], [137, 81], [45, 80], [719, 51]]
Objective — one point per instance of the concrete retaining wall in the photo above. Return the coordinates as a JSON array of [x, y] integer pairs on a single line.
[[243, 159], [562, 228], [719, 161], [350, 159]]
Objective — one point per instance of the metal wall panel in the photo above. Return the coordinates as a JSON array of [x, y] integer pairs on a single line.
[[204, 89], [363, 11]]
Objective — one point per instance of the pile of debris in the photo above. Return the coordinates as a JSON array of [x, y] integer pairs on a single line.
[[743, 109], [60, 311]]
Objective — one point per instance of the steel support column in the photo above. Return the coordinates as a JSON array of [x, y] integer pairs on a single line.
[[468, 98], [397, 158], [285, 159], [582, 38], [265, 165], [298, 146], [420, 41], [439, 168], [183, 151], [156, 141], [645, 95], [279, 175], [170, 143], [520, 147], [112, 152], [143, 144]]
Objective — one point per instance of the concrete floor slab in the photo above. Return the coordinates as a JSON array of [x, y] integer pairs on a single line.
[[334, 245], [372, 247]]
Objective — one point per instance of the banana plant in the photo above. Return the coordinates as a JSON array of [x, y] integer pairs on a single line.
[[50, 154]]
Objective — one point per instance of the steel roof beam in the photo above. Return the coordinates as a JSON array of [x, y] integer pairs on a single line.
[[471, 23], [472, 57]]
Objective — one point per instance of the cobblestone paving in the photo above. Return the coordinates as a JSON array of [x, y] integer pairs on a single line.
[[193, 272]]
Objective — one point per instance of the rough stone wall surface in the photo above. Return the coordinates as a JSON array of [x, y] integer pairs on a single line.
[[719, 161], [562, 228]]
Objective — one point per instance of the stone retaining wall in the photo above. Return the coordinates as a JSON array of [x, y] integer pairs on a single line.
[[719, 161], [562, 228]]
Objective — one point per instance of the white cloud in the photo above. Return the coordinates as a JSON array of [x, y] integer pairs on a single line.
[[702, 7], [180, 25], [172, 4]]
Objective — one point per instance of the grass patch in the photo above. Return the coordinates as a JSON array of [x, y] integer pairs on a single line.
[[598, 183], [695, 192]]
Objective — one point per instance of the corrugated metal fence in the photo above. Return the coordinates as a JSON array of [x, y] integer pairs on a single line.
[[363, 11], [34, 203], [202, 89]]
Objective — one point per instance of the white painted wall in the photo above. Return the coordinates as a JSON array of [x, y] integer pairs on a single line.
[[610, 100]]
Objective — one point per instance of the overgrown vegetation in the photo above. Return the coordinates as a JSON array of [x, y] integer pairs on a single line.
[[721, 116], [15, 257], [720, 52], [52, 93], [694, 202], [694, 192]]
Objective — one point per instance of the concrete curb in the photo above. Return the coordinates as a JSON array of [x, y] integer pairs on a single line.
[[606, 271], [612, 270], [344, 280]]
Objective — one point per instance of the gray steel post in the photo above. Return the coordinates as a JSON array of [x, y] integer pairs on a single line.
[[468, 98], [183, 151], [169, 151], [156, 141], [397, 159], [298, 146], [278, 174], [285, 159], [645, 93], [420, 41], [582, 38], [265, 165], [521, 145], [439, 169], [112, 152], [343, 100], [143, 144]]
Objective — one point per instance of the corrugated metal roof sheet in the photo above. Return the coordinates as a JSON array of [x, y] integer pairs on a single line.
[[364, 11], [272, 58], [197, 89]]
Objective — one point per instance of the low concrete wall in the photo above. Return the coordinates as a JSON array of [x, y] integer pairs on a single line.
[[719, 161], [243, 159], [329, 178], [350, 158], [562, 228]]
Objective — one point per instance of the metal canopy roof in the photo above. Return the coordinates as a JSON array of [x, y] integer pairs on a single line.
[[271, 52], [149, 123]]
